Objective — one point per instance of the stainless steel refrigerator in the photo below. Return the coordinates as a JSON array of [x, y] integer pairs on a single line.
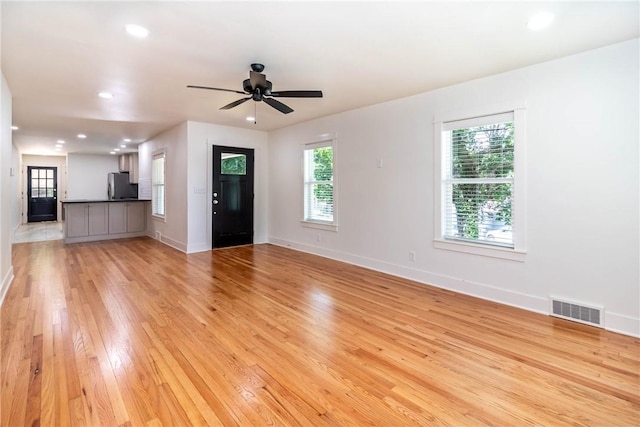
[[119, 187]]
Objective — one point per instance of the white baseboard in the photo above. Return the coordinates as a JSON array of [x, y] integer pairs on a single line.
[[6, 283], [622, 324], [615, 323], [182, 247]]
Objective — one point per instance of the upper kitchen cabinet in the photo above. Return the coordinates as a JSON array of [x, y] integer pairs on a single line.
[[129, 163]]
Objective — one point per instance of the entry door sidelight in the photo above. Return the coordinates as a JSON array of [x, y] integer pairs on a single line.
[[42, 189], [232, 196]]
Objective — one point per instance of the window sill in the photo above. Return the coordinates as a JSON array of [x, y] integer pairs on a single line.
[[481, 250], [158, 218], [319, 225]]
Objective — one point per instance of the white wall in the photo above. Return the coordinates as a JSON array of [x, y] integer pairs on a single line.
[[202, 137], [16, 211], [582, 186], [173, 229], [87, 175], [187, 224], [59, 162], [7, 185]]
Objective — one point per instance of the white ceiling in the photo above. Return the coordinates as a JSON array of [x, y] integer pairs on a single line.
[[56, 57]]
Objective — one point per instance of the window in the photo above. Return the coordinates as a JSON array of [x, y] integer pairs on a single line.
[[319, 183], [157, 184], [233, 164], [479, 162]]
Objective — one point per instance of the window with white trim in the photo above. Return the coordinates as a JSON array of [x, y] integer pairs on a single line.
[[319, 183], [478, 182], [158, 184]]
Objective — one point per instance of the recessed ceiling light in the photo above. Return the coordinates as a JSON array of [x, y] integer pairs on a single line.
[[540, 21], [136, 30], [127, 140], [14, 127], [58, 146], [123, 146], [250, 119], [60, 141], [82, 136], [116, 149], [112, 152], [105, 95]]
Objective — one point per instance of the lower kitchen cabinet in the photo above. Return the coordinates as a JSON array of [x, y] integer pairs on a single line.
[[127, 217], [98, 216], [85, 222], [76, 220]]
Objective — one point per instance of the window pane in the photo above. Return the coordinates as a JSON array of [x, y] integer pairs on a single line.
[[49, 173], [233, 164], [49, 183], [475, 210], [34, 183], [318, 197], [49, 192], [478, 184], [157, 191], [34, 173]]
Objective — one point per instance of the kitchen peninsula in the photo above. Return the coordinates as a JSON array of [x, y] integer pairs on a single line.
[[89, 220]]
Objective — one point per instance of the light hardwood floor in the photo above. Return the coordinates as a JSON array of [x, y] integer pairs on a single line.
[[131, 332]]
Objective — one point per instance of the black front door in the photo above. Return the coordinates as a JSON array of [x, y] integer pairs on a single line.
[[42, 188], [232, 196]]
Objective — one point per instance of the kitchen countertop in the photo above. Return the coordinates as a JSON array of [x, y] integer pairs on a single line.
[[103, 200]]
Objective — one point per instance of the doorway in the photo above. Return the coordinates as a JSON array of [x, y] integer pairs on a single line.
[[42, 189], [232, 196]]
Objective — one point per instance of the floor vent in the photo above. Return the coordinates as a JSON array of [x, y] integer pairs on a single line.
[[593, 316]]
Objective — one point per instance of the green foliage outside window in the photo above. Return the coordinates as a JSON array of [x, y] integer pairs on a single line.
[[483, 152], [323, 171], [236, 165]]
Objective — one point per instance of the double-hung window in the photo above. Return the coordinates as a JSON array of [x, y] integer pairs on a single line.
[[319, 184], [158, 185], [480, 188]]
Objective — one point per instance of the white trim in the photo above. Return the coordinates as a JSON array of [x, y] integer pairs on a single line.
[[480, 249], [6, 284], [157, 154], [328, 226], [324, 140]]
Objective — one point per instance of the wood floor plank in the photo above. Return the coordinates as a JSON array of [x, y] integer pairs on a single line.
[[132, 332]]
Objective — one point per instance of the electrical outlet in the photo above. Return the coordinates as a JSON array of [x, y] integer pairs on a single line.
[[412, 256]]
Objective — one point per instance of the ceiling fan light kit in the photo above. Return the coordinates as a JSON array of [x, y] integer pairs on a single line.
[[258, 88]]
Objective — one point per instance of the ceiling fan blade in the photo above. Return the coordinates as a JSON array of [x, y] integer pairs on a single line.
[[278, 105], [235, 103], [257, 79], [216, 88], [298, 93]]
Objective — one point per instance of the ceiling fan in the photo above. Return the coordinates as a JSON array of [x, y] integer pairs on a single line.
[[259, 89]]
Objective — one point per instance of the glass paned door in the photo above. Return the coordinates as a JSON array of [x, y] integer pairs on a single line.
[[42, 191]]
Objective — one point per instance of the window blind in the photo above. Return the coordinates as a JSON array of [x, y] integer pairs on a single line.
[[158, 185], [477, 181]]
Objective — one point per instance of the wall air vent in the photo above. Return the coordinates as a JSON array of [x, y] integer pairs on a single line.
[[588, 315]]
